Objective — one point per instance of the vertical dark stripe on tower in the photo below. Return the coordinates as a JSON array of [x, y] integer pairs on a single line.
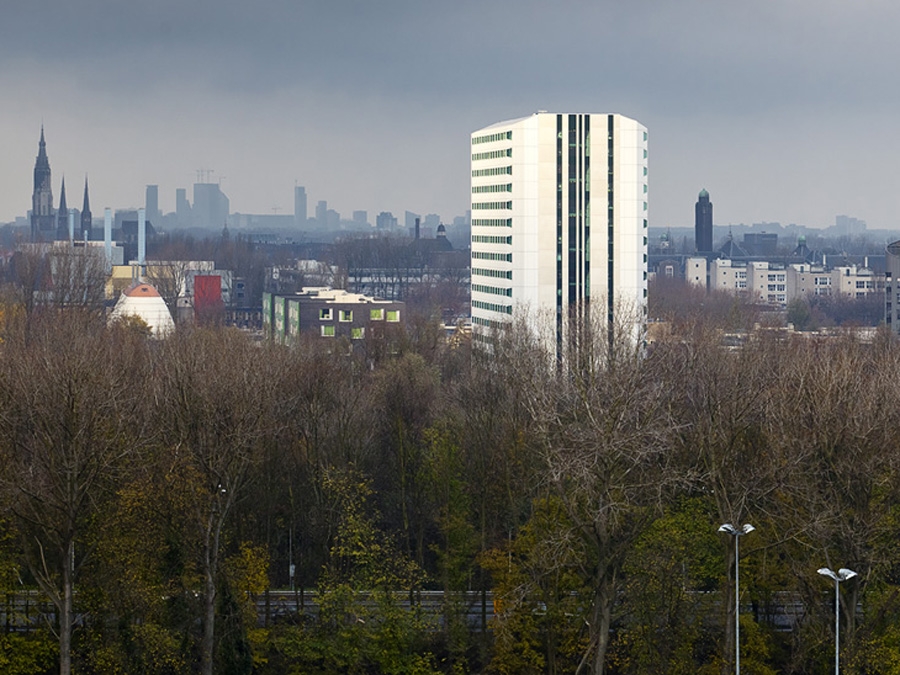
[[572, 213], [559, 236], [587, 214]]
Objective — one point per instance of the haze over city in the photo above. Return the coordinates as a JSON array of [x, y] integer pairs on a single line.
[[783, 111]]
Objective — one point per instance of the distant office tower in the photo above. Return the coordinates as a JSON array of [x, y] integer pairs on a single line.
[[182, 208], [849, 225], [86, 218], [559, 221], [409, 219], [322, 214], [43, 224], [300, 210], [151, 204], [332, 219], [361, 218], [429, 225], [385, 221], [211, 206], [703, 223]]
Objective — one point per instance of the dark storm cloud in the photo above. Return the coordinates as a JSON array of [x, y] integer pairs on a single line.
[[749, 54], [724, 86]]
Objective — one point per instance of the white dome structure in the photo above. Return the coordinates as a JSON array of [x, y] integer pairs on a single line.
[[144, 302]]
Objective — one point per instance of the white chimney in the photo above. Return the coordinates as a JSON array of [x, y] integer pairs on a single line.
[[71, 225]]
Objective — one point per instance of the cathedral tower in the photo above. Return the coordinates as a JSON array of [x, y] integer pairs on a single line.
[[43, 224]]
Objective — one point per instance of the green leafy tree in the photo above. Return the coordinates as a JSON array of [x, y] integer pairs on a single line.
[[670, 574], [457, 544], [20, 654], [405, 393], [144, 574], [369, 621], [539, 594]]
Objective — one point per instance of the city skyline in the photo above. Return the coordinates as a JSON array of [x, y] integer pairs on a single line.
[[783, 112]]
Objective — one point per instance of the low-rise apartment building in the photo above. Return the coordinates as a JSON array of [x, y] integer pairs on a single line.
[[328, 313], [777, 284]]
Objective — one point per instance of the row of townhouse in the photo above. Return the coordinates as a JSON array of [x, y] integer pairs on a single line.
[[778, 284]]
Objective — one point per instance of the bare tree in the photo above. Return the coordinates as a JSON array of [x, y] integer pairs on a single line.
[[216, 391], [601, 425], [833, 418], [722, 395], [169, 277], [78, 276], [68, 422]]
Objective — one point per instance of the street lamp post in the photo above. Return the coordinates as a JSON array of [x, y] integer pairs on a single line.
[[735, 532], [842, 574]]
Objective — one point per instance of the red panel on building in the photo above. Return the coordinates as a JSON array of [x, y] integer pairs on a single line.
[[208, 303]]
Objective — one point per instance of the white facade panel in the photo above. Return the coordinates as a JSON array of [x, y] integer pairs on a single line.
[[558, 215]]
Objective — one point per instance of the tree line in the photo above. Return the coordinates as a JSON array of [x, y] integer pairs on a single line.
[[154, 491]]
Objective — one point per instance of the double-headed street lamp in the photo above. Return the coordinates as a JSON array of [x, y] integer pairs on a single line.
[[842, 574], [735, 532]]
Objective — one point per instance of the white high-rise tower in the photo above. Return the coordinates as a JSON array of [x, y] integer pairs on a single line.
[[559, 220]]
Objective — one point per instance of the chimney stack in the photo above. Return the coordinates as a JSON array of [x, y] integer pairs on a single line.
[[142, 236]]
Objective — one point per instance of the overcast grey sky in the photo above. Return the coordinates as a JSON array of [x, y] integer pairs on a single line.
[[783, 109]]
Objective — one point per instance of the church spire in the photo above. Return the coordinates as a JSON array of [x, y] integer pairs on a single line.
[[86, 212], [63, 208], [62, 214], [43, 162]]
